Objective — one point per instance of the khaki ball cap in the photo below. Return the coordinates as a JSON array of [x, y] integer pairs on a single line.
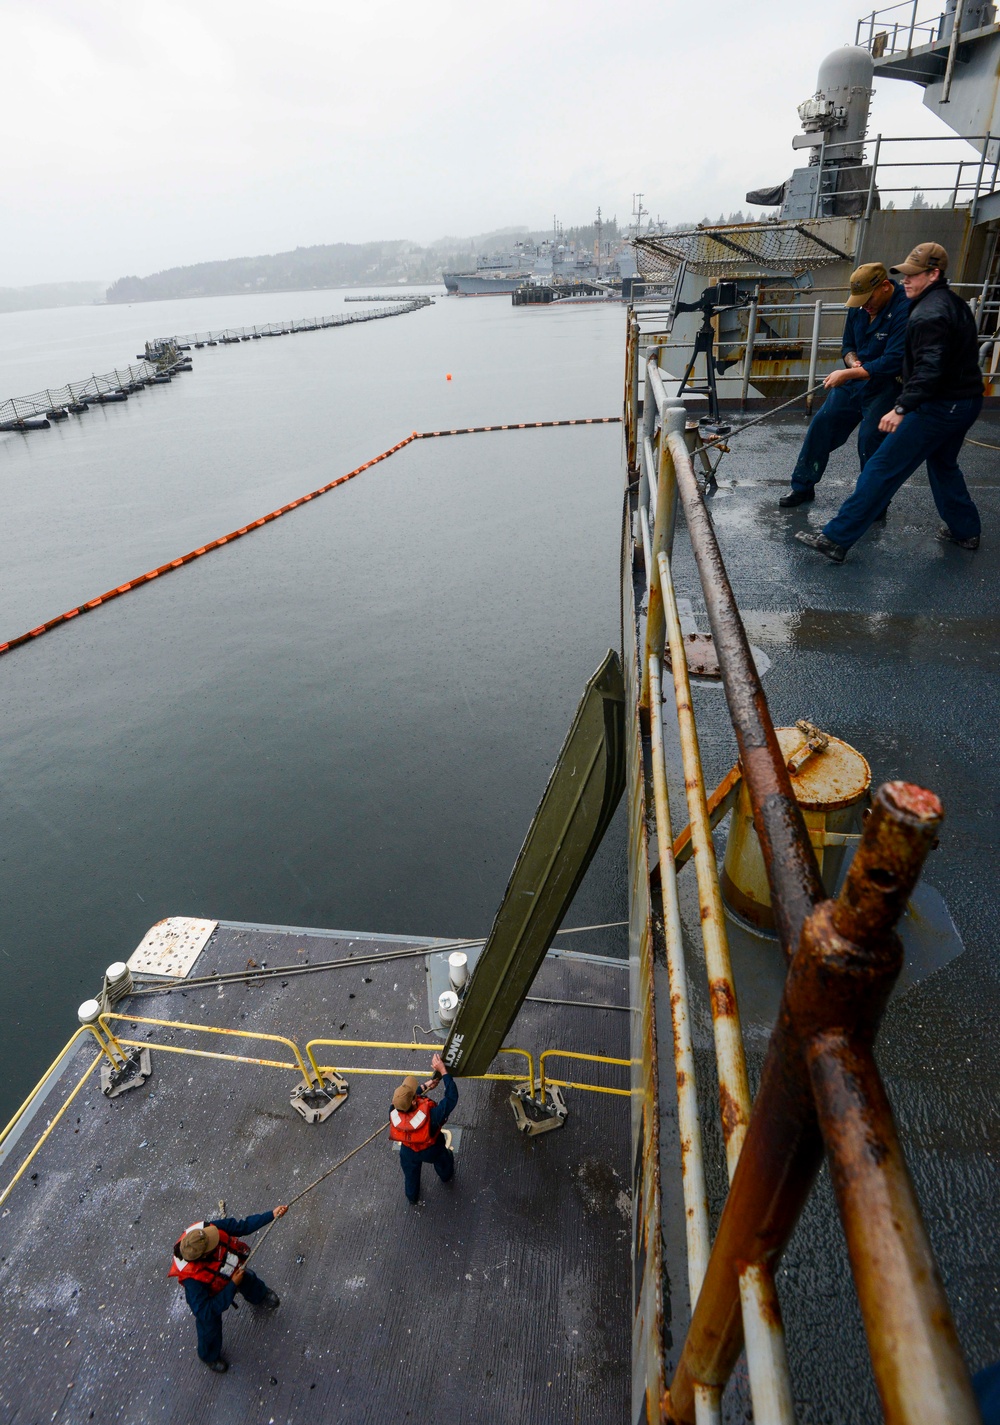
[[199, 1242], [864, 280], [923, 257], [405, 1094]]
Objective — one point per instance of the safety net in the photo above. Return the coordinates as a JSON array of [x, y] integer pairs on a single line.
[[736, 249]]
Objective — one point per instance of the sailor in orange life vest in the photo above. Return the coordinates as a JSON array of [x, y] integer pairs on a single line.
[[416, 1122], [208, 1262]]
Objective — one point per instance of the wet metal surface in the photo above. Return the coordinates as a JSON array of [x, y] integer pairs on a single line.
[[502, 1298], [895, 653]]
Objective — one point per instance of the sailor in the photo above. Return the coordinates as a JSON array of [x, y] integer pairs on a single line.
[[208, 1262], [415, 1123], [865, 387], [941, 397]]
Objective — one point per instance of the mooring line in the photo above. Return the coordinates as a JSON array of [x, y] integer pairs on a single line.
[[322, 1177], [224, 539]]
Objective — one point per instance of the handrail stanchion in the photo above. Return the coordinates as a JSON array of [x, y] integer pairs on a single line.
[[814, 355], [956, 30], [748, 352], [974, 206]]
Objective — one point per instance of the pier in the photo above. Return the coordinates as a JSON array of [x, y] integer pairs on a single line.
[[163, 358], [531, 296]]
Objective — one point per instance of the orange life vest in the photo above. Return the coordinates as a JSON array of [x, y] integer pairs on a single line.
[[215, 1269], [414, 1128]]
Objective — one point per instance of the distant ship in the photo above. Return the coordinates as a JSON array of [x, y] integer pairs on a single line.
[[554, 261]]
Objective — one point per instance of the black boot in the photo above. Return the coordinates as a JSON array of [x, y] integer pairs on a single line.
[[220, 1365], [271, 1299], [946, 534], [835, 552], [797, 497]]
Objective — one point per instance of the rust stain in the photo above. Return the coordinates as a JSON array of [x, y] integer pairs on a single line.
[[732, 1114], [723, 999]]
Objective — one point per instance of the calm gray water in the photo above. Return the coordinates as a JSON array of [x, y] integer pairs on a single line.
[[345, 719]]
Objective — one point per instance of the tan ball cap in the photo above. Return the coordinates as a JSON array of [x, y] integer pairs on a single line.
[[923, 257], [405, 1094], [199, 1242], [864, 280]]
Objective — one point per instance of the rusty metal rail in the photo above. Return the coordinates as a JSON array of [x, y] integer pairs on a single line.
[[820, 1089]]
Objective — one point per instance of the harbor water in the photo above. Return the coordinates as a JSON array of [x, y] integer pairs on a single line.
[[344, 720]]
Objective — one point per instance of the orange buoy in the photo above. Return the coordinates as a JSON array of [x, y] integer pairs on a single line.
[[448, 377]]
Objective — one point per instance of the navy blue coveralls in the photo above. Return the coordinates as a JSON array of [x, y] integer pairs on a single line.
[[208, 1308], [878, 344], [439, 1155]]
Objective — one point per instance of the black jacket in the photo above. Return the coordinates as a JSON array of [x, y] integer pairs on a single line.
[[941, 360]]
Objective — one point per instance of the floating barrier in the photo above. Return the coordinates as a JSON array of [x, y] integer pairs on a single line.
[[232, 336], [399, 297], [20, 412], [172, 564], [158, 363]]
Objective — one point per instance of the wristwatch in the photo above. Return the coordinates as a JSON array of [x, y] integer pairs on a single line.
[[898, 410]]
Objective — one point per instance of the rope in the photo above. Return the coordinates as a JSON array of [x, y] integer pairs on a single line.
[[983, 444], [275, 514], [755, 422], [263, 1238], [252, 974]]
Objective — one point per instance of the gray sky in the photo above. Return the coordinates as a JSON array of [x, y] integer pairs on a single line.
[[141, 135]]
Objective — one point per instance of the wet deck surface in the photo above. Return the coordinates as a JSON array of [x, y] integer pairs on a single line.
[[503, 1297], [897, 652]]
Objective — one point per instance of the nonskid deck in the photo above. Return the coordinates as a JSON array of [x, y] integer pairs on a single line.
[[502, 1298]]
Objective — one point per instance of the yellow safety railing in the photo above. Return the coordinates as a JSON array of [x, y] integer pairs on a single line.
[[110, 1045], [320, 1069], [568, 1084], [299, 1064], [41, 1082], [56, 1119]]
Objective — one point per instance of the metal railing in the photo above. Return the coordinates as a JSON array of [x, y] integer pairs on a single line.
[[965, 180], [904, 31], [820, 1087], [321, 1069], [807, 332], [112, 1049]]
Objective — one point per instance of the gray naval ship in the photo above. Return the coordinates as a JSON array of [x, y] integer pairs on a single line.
[[750, 1172]]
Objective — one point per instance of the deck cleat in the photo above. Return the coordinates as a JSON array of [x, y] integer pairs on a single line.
[[317, 1102], [534, 1115], [131, 1074]]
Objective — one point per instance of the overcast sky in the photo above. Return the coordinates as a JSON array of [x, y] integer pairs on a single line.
[[141, 135]]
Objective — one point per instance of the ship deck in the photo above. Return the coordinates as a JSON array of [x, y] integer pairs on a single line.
[[897, 652], [503, 1296]]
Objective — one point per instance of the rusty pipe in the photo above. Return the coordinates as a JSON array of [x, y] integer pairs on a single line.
[[767, 1361], [789, 858], [837, 989], [706, 1399]]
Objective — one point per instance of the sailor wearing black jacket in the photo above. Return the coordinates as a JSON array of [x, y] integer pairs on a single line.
[[942, 396]]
